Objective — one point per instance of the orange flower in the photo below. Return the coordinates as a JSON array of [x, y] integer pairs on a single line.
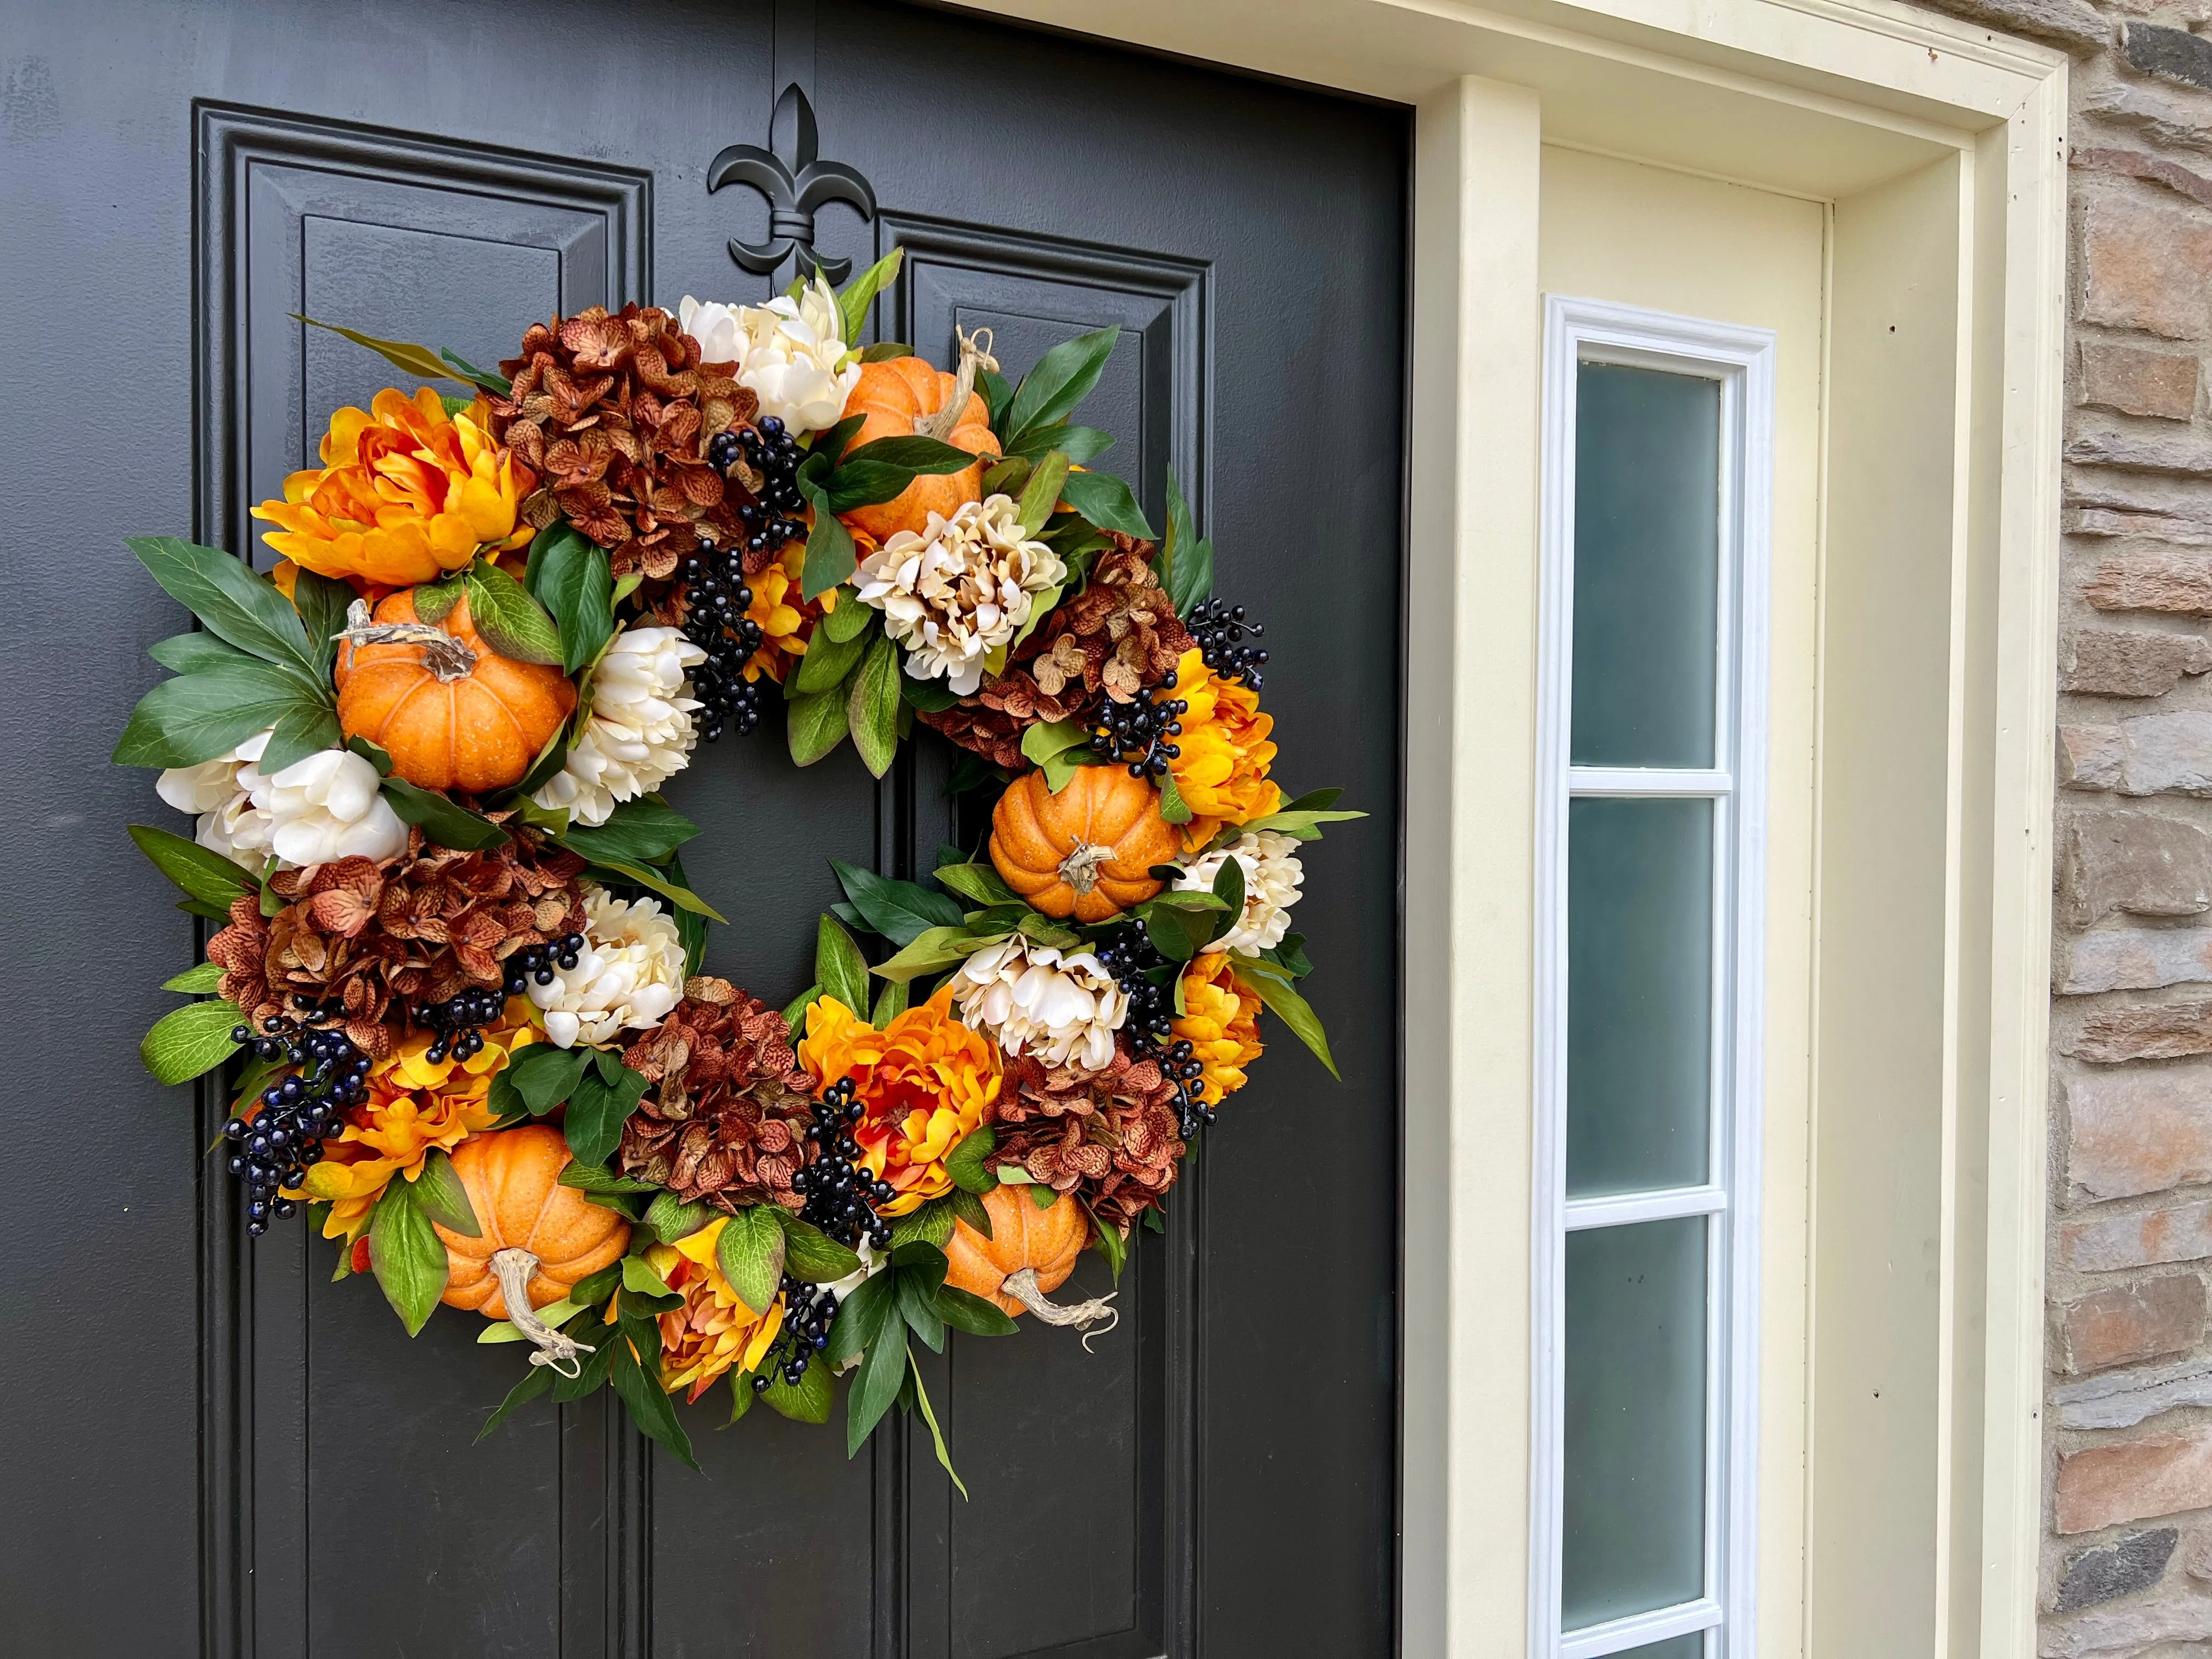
[[405, 494], [714, 1331], [925, 1081], [1221, 1022], [786, 622], [415, 1105], [1222, 773]]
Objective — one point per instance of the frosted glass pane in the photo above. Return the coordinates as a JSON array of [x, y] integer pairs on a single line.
[[1635, 1474], [1639, 993], [1647, 567], [1674, 1647]]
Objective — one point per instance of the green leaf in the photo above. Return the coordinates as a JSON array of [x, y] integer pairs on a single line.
[[812, 1254], [639, 1279], [967, 1208], [307, 728], [665, 886], [570, 575], [441, 1196], [823, 448], [795, 1014], [978, 1317], [1105, 500], [235, 605], [597, 1112], [641, 831], [1109, 1242], [596, 1370], [407, 1256], [442, 820], [540, 1379], [890, 1003], [1177, 931], [639, 1388], [1042, 494], [197, 716], [751, 1254], [434, 601], [918, 456], [1042, 1196], [930, 696], [936, 1434], [200, 980], [873, 705], [1283, 1000], [874, 1387], [853, 302], [375, 753], [807, 1401], [1006, 478], [917, 1301], [409, 359], [591, 1178], [1174, 809], [964, 1163], [830, 555], [900, 910], [932, 1223], [839, 966], [198, 870], [321, 602], [512, 622], [674, 1217], [1043, 742], [883, 351], [978, 881], [188, 1041], [187, 654], [816, 724], [1080, 444], [542, 1077], [828, 661], [846, 622], [861, 1319], [483, 377], [741, 1394], [1300, 826], [1229, 888], [939, 947], [1063, 377]]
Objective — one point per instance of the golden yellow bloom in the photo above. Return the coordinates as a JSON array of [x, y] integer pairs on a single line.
[[926, 1080], [713, 1331], [404, 493], [1222, 772], [415, 1103], [786, 623], [1221, 1022]]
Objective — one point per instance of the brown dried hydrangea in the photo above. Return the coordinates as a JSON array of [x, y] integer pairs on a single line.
[[1110, 1139], [1116, 639], [725, 1121], [416, 929], [613, 414]]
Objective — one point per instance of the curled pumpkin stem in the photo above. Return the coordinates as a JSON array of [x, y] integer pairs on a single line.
[[445, 656], [514, 1267], [1023, 1287], [975, 354], [1079, 869]]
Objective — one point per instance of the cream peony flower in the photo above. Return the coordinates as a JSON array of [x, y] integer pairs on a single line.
[[788, 352], [640, 734], [229, 823], [627, 976], [1272, 875], [326, 807], [956, 593], [1030, 997]]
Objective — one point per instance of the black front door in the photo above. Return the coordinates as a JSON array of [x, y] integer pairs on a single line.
[[208, 1447]]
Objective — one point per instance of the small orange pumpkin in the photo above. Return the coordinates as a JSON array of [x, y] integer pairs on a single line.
[[462, 717], [899, 395], [512, 1176], [1047, 1242], [1085, 852]]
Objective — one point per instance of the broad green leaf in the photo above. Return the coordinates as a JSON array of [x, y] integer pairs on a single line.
[[1283, 1000], [542, 1076], [674, 1217], [854, 300], [1105, 500], [1041, 493], [794, 1015], [829, 555], [483, 376], [812, 1254], [816, 724], [639, 1279], [967, 1208], [197, 716], [965, 1165], [965, 1311], [1181, 534], [375, 753], [591, 1178], [641, 831], [408, 1255], [442, 820], [741, 1396], [1006, 478], [890, 1003], [200, 872], [1045, 930], [665, 886], [900, 910], [187, 654], [917, 1303], [638, 1385], [1229, 888], [539, 1379], [202, 981], [1109, 1242], [1042, 1196], [823, 448], [322, 602], [234, 602], [918, 456], [596, 1370], [1080, 444], [1062, 379], [929, 1224], [883, 351], [441, 1196], [402, 355], [304, 729], [1300, 826], [997, 398], [875, 1387], [434, 601], [751, 1254], [939, 947], [597, 1112], [861, 1319], [1176, 932], [872, 707], [978, 881], [1060, 769], [570, 575], [930, 696], [512, 622], [188, 1041], [808, 1400], [839, 966], [1174, 809], [846, 622], [828, 661], [1041, 742]]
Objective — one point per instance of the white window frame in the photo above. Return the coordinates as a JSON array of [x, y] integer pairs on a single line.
[[1741, 360]]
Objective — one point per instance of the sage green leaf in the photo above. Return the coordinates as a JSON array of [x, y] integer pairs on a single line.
[[930, 696], [939, 947], [539, 1379], [197, 716], [1299, 826], [202, 981], [816, 724], [929, 1224], [441, 1196], [512, 622], [591, 1178], [750, 1253], [1109, 1242], [483, 376], [741, 1393], [795, 1016], [1006, 478], [867, 1308], [846, 622], [807, 1401], [1174, 809], [830, 555], [890, 1003], [674, 1217], [811, 1254], [875, 1386], [1041, 742], [978, 881], [918, 457], [1105, 500], [900, 910], [407, 1256], [853, 302], [434, 601], [444, 821], [839, 966], [639, 1279], [322, 602], [828, 661], [234, 602], [936, 1434], [1042, 494], [965, 1311], [872, 707], [917, 1303], [545, 1075], [637, 1383], [597, 1112], [677, 893], [409, 359], [1080, 444], [304, 729], [1275, 987], [965, 1165], [199, 871], [1062, 379], [883, 351], [1060, 769], [1176, 933], [570, 575], [640, 831], [188, 1041], [1229, 888], [187, 654]]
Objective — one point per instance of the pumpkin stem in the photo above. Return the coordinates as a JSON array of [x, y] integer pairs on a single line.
[[514, 1269], [1023, 1287], [1079, 869], [974, 354], [442, 654]]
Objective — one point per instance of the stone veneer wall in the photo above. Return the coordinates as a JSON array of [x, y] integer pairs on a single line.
[[2127, 1481]]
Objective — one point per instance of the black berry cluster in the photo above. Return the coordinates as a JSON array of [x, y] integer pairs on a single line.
[[1147, 978], [276, 1148], [770, 451], [538, 962], [841, 1196], [1137, 734], [809, 1310], [459, 1023], [715, 600], [1219, 629]]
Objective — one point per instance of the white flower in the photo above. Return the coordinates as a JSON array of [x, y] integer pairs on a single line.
[[1030, 998], [788, 352], [958, 591], [1272, 875], [327, 806], [627, 977], [640, 733], [229, 823]]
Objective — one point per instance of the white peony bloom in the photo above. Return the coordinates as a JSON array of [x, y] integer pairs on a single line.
[[326, 807], [1272, 875], [229, 823], [640, 733], [788, 352], [1031, 999], [627, 977], [958, 591]]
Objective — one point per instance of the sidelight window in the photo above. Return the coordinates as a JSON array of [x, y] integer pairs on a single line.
[[1657, 458]]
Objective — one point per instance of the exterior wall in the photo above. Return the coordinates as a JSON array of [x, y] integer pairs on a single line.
[[2127, 1562]]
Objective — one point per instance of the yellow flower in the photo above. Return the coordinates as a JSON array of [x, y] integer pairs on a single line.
[[925, 1081], [713, 1331], [1222, 772], [415, 1104], [786, 622], [405, 493], [1221, 1022]]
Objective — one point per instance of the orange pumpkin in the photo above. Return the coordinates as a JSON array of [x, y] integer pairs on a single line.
[[1047, 1242], [513, 1180], [898, 396], [1086, 851], [467, 719]]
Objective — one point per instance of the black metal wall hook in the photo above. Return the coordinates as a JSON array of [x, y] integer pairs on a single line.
[[795, 185]]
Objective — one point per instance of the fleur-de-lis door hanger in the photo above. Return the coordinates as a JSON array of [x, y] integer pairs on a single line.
[[795, 185]]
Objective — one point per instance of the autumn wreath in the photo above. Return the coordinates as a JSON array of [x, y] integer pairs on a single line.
[[454, 952]]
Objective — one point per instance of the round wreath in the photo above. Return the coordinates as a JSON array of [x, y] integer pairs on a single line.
[[458, 953]]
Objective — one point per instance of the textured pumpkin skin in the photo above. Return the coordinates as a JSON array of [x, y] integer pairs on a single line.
[[480, 733], [1022, 1235], [512, 1179], [1033, 831], [891, 393]]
